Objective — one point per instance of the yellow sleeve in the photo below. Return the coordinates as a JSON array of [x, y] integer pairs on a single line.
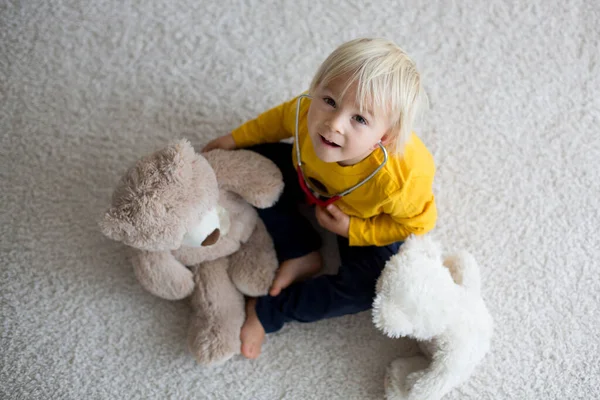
[[269, 127], [411, 210]]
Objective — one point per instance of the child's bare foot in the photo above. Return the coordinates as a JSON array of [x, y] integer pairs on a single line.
[[295, 269], [252, 333]]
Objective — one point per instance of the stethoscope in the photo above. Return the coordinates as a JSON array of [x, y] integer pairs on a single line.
[[314, 195]]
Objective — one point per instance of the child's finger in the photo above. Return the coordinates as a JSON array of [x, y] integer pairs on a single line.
[[321, 211], [323, 217], [334, 211]]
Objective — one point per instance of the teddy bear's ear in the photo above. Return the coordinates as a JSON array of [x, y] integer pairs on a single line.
[[464, 270], [252, 176], [114, 226]]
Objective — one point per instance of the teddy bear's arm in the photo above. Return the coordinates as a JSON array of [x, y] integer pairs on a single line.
[[252, 176], [162, 275]]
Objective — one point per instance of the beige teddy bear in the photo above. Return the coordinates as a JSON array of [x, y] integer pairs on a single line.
[[191, 220]]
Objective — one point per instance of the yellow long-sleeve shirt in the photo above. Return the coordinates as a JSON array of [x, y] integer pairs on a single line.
[[396, 202]]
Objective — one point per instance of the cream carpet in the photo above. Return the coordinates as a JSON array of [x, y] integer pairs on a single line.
[[87, 87]]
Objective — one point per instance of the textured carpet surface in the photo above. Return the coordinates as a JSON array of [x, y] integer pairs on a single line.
[[88, 87]]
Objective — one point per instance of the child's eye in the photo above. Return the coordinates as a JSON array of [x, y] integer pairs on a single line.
[[360, 120], [329, 101]]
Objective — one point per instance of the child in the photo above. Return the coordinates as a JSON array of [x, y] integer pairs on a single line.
[[364, 98]]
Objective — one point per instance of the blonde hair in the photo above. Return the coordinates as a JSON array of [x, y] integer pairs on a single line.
[[387, 80]]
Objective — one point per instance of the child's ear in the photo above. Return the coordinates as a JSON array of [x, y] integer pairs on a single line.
[[385, 140]]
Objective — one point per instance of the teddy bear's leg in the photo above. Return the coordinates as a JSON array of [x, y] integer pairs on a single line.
[[253, 267], [396, 387], [432, 383], [464, 270], [162, 275], [217, 314]]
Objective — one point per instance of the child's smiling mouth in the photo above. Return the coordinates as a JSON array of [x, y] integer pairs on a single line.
[[328, 143]]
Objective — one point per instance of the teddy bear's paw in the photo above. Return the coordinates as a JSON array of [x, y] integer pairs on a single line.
[[412, 379], [252, 269], [402, 375], [394, 383], [209, 348], [254, 276], [178, 287], [214, 333], [162, 275]]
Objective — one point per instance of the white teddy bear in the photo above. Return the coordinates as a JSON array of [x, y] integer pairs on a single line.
[[436, 301]]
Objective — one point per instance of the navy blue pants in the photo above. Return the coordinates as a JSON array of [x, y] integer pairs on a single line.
[[350, 291]]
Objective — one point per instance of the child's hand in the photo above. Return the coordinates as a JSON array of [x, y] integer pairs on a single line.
[[225, 142], [333, 219]]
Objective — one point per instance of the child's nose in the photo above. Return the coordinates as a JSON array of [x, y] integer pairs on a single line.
[[335, 124]]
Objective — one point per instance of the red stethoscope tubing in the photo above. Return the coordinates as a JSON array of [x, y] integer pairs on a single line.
[[311, 199]]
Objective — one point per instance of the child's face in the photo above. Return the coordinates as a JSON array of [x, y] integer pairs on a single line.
[[338, 131]]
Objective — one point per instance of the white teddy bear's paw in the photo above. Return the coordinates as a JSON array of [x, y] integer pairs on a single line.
[[397, 383], [413, 378]]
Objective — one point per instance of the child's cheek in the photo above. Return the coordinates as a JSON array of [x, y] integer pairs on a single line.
[[310, 115], [309, 123]]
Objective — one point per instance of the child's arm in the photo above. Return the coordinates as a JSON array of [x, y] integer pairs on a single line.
[[224, 142], [411, 210], [269, 127]]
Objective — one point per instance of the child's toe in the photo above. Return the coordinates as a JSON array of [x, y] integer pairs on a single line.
[[275, 290]]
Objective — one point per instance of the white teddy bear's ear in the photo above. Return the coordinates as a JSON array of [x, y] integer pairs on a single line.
[[415, 292], [465, 270]]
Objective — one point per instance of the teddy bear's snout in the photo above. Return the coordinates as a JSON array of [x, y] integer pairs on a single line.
[[209, 229], [212, 238]]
